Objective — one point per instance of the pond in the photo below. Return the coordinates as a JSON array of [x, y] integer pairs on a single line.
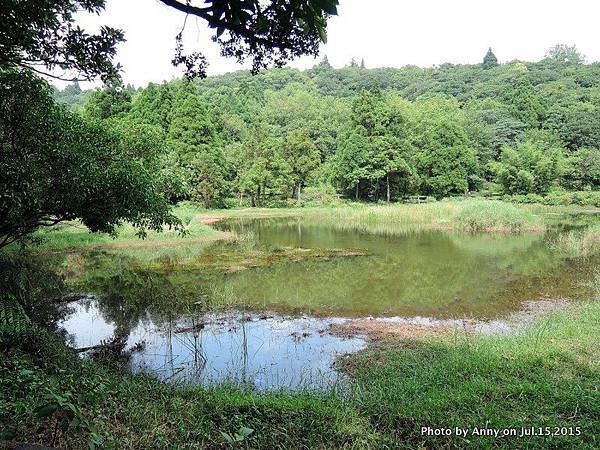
[[426, 273], [265, 351], [283, 285]]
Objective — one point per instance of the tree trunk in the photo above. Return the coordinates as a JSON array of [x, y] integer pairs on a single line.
[[299, 189], [388, 187], [356, 194]]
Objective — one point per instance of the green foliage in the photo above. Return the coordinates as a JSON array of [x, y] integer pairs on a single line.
[[208, 181], [556, 198], [489, 60], [262, 170], [583, 169], [302, 156], [153, 105], [523, 100], [72, 96], [444, 160], [375, 152], [565, 54], [577, 124], [112, 101], [380, 133], [57, 166], [272, 32], [239, 436], [39, 35], [528, 168]]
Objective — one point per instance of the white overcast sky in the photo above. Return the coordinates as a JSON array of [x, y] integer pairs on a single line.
[[386, 33]]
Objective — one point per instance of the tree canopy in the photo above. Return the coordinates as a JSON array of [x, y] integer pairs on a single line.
[[372, 134], [43, 36], [57, 166], [267, 32]]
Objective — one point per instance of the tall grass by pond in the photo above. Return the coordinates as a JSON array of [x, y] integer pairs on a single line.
[[579, 243], [469, 215]]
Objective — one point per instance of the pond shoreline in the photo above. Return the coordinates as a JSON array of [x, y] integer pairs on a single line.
[[365, 333], [405, 371]]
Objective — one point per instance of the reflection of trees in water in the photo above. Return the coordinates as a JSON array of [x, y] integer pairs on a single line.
[[127, 293], [33, 283], [527, 254], [495, 244]]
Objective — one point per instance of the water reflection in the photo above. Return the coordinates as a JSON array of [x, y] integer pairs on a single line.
[[264, 351], [433, 274], [161, 297], [430, 274]]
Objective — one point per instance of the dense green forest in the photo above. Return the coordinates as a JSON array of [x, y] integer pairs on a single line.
[[369, 134]]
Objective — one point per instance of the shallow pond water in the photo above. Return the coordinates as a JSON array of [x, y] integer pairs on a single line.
[[265, 351], [429, 273], [292, 297]]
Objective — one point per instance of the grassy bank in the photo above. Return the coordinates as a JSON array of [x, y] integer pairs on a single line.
[[73, 235], [547, 376], [467, 215], [470, 215]]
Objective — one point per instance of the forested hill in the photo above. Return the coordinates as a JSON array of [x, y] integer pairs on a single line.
[[373, 134]]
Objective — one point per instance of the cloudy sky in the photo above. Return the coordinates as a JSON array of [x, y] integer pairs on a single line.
[[386, 33]]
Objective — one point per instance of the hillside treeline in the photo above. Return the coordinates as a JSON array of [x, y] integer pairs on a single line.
[[369, 134]]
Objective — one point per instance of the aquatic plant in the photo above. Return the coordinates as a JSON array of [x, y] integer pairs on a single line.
[[494, 215], [578, 243], [471, 215]]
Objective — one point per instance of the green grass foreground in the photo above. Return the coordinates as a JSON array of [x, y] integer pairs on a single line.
[[547, 376]]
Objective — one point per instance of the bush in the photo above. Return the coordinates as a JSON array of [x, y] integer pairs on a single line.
[[528, 168], [318, 195]]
